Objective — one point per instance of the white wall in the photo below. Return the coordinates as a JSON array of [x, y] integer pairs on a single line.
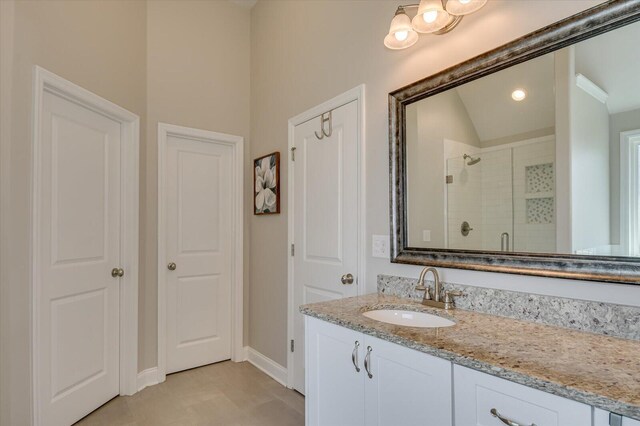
[[618, 123], [304, 53], [589, 171], [565, 79], [497, 198]]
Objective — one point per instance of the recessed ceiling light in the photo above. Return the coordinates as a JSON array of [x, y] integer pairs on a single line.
[[518, 95]]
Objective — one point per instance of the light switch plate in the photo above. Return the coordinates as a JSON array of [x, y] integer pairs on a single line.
[[380, 246]]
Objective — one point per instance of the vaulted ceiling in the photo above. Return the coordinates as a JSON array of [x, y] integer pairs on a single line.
[[612, 61], [496, 115]]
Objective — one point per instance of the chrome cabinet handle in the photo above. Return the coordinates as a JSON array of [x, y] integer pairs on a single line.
[[367, 361], [117, 272], [354, 356], [347, 279], [171, 266], [505, 420]]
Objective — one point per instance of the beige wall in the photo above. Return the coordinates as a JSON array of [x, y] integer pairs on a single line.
[[6, 61], [197, 56], [440, 117], [305, 52], [99, 45], [198, 76]]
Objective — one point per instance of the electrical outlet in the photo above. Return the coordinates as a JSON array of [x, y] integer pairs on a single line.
[[380, 246], [426, 235]]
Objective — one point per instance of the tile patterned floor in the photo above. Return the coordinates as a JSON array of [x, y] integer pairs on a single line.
[[226, 393]]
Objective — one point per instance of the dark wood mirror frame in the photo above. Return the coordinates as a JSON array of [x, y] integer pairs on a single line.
[[584, 25]]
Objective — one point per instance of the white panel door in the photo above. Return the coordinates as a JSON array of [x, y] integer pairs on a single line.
[[77, 245], [407, 387], [325, 217], [335, 388], [199, 242]]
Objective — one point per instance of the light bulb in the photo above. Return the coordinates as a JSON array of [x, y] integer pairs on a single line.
[[430, 16], [401, 35], [518, 95], [464, 1]]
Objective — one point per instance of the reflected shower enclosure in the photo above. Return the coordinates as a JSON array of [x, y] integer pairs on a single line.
[[507, 199], [555, 170]]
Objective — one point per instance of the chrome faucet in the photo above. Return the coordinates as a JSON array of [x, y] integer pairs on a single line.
[[435, 301]]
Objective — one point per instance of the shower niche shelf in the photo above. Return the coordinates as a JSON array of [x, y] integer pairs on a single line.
[[539, 195]]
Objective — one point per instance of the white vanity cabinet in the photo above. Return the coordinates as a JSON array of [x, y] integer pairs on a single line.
[[604, 418], [481, 399], [399, 386]]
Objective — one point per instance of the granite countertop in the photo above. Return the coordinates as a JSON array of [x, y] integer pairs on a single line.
[[593, 369]]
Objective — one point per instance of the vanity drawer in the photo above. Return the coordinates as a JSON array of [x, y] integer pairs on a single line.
[[477, 394]]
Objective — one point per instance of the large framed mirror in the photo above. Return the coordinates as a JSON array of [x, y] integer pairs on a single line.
[[526, 159]]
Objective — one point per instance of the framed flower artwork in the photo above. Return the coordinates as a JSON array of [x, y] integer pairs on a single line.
[[266, 184]]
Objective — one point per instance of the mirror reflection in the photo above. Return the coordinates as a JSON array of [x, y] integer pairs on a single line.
[[541, 157]]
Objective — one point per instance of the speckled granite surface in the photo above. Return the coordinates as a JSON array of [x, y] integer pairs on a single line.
[[598, 370], [596, 317]]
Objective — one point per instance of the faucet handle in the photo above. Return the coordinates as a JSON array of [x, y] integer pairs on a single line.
[[448, 295], [427, 291]]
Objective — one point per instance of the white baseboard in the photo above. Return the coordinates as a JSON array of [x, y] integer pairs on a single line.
[[148, 377], [267, 365]]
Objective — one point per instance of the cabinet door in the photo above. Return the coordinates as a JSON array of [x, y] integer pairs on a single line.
[[602, 418], [335, 389], [478, 394], [407, 387]]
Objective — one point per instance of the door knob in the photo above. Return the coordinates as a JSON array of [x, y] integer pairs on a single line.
[[347, 279], [117, 272], [172, 266]]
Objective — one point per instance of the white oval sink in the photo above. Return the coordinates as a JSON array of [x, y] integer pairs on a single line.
[[408, 318]]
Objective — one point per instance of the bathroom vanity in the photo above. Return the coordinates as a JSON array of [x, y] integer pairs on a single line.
[[483, 181], [483, 370]]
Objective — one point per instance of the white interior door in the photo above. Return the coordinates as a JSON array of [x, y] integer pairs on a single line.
[[199, 228], [78, 245], [325, 217]]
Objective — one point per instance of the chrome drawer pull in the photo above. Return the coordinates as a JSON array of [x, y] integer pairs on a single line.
[[354, 356], [367, 360], [505, 420]]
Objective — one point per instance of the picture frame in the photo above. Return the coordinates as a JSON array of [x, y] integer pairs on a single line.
[[266, 184]]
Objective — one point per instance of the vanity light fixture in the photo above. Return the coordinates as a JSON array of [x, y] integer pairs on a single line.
[[518, 95], [432, 17]]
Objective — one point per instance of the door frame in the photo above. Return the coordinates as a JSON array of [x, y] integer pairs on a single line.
[[237, 285], [46, 81], [356, 94], [628, 163]]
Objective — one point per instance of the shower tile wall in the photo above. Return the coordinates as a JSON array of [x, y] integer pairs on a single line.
[[493, 196], [534, 198], [464, 197], [497, 208]]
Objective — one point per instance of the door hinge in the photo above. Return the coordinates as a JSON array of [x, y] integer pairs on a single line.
[[449, 179], [293, 346], [293, 153], [293, 249]]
